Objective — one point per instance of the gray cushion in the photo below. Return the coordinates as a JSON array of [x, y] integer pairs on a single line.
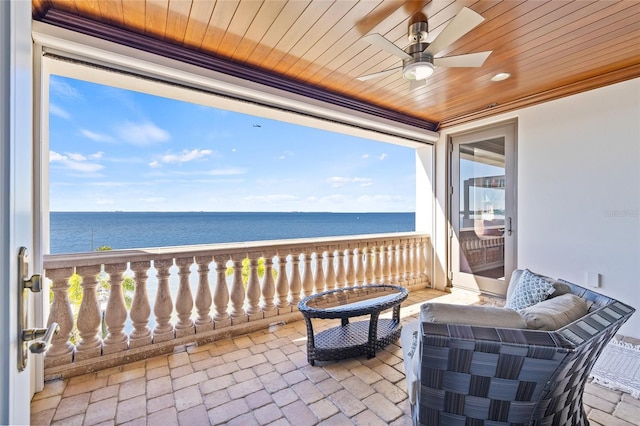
[[485, 316], [530, 288], [555, 313], [560, 289]]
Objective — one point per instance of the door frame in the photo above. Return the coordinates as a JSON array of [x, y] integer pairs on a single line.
[[16, 203], [508, 129]]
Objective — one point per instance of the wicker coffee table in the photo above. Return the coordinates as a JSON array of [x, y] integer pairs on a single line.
[[357, 338]]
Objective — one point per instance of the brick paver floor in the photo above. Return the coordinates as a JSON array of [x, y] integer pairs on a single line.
[[263, 378]]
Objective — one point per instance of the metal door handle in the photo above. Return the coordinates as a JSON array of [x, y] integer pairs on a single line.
[[509, 230], [34, 283], [46, 334]]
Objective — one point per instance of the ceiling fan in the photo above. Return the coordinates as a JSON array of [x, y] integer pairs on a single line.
[[418, 61]]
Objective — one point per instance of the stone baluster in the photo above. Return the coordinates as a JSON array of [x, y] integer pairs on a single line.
[[350, 274], [221, 316], [420, 259], [411, 271], [402, 262], [184, 298], [253, 287], [203, 295], [359, 265], [238, 294], [341, 276], [369, 259], [416, 261], [268, 286], [140, 306], [282, 285], [377, 265], [61, 350], [307, 276], [427, 259], [384, 264], [318, 276], [295, 285], [330, 276], [163, 305], [89, 315], [393, 263], [116, 313]]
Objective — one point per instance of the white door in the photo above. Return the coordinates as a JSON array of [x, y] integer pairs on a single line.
[[16, 211], [483, 208]]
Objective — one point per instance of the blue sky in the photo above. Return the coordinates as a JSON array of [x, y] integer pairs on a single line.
[[113, 149]]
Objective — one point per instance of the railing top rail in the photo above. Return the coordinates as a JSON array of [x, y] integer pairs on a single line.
[[53, 261]]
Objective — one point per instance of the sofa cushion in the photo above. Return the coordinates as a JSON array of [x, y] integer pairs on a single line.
[[409, 339], [560, 288], [555, 313], [530, 288], [478, 315]]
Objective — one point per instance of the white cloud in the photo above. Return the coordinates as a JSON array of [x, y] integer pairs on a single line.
[[75, 161], [142, 134], [186, 156], [98, 155], [61, 88], [338, 181], [54, 156], [155, 164], [285, 155], [56, 110], [383, 156], [76, 157], [81, 166], [365, 155], [96, 136], [104, 201]]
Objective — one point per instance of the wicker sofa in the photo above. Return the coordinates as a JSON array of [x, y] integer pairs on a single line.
[[486, 375]]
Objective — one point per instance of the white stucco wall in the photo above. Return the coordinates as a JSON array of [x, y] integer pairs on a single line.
[[578, 190]]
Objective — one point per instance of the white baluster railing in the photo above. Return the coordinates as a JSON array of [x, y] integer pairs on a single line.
[[228, 300]]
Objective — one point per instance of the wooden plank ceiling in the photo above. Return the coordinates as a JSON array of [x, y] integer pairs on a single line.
[[550, 48]]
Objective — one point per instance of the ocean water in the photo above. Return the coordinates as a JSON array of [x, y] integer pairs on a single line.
[[76, 232]]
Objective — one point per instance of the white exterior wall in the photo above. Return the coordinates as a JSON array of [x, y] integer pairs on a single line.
[[578, 190]]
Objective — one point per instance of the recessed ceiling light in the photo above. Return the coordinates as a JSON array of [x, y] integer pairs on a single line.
[[501, 76]]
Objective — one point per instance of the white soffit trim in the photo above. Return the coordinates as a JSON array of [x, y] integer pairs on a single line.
[[140, 71]]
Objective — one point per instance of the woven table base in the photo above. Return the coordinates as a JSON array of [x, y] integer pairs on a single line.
[[352, 340]]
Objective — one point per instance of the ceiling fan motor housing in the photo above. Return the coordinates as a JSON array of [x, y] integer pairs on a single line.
[[420, 65], [418, 32]]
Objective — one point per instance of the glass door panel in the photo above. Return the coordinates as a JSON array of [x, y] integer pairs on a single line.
[[482, 210]]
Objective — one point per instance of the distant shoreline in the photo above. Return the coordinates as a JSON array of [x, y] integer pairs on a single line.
[[78, 232], [220, 211]]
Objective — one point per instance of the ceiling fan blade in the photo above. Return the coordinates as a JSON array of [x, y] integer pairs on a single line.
[[378, 74], [462, 23], [382, 43], [469, 60], [416, 84]]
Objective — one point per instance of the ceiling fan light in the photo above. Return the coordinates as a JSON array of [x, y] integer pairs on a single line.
[[418, 71]]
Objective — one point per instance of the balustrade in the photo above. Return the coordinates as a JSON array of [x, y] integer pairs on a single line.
[[229, 289]]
